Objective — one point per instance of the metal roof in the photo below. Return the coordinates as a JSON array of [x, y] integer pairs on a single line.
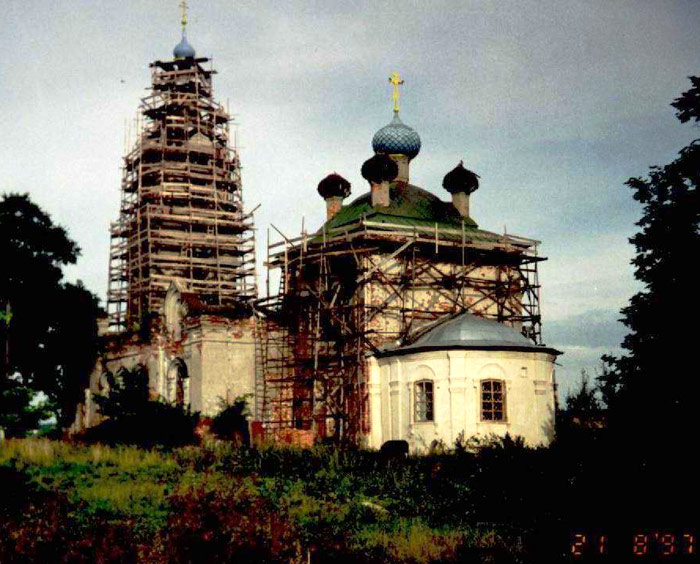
[[467, 331], [406, 203]]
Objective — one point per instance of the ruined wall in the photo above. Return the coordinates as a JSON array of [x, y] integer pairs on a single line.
[[226, 367], [213, 360]]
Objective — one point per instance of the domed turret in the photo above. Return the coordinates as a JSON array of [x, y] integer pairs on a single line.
[[397, 138], [333, 189], [379, 168], [461, 182], [184, 50], [334, 185], [379, 171], [460, 179]]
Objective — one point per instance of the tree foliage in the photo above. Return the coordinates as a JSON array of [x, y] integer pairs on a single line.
[[584, 399], [132, 417], [48, 330], [656, 378], [232, 420], [127, 394], [21, 408]]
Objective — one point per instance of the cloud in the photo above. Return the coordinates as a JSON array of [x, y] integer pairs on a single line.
[[583, 339], [592, 329], [555, 106]]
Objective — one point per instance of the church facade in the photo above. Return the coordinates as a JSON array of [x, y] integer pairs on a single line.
[[398, 319]]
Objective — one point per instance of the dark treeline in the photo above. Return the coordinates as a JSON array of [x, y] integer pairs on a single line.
[[48, 327]]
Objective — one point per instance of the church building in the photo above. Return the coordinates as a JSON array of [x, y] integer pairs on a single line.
[[399, 318]]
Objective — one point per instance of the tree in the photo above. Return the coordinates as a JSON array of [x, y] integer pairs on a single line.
[[657, 376], [73, 346], [232, 421], [584, 399], [21, 408], [132, 417], [48, 330], [127, 395]]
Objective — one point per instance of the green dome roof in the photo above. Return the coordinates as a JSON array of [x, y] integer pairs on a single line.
[[408, 204]]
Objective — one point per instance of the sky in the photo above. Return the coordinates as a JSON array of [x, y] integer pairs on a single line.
[[555, 104]]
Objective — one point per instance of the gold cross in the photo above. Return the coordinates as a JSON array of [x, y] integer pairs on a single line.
[[396, 81], [183, 21]]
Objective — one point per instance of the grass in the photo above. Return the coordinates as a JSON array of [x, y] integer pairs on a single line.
[[412, 540], [283, 500], [113, 484]]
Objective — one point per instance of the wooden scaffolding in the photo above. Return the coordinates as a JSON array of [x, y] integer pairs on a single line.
[[347, 293], [181, 216]]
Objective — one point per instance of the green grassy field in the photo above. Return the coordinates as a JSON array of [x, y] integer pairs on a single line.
[[86, 503]]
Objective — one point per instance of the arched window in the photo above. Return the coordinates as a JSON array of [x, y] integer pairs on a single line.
[[177, 383], [493, 400], [423, 402]]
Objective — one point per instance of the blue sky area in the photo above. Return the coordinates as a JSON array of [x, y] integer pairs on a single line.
[[554, 104]]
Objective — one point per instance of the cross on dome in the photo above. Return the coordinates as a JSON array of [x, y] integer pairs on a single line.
[[183, 20], [396, 81]]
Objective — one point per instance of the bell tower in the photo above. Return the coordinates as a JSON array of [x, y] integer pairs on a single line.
[[181, 217]]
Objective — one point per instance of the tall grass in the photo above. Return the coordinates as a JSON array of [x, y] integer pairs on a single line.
[[47, 452], [335, 503]]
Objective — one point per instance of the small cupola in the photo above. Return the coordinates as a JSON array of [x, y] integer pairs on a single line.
[[184, 50], [461, 182], [333, 189], [379, 171]]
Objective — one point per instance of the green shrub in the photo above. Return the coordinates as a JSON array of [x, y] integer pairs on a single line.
[[232, 421]]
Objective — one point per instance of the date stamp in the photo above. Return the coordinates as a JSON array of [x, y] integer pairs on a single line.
[[643, 545]]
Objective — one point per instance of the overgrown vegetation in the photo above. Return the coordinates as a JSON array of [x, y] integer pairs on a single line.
[[232, 421], [134, 418], [271, 504], [493, 500]]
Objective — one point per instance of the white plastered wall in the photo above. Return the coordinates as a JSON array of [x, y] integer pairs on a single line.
[[457, 376]]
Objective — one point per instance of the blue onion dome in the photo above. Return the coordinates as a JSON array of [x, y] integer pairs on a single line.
[[334, 185], [397, 139], [184, 50], [379, 168], [460, 179]]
